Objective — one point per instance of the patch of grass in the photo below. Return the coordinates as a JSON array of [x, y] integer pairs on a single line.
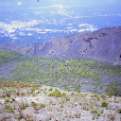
[[35, 90], [38, 106], [57, 93], [114, 89], [9, 108]]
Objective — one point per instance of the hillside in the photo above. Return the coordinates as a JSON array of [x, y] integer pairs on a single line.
[[88, 61], [75, 74], [104, 45], [8, 62], [8, 56]]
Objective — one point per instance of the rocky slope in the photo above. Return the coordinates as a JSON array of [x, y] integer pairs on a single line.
[[104, 44], [20, 102]]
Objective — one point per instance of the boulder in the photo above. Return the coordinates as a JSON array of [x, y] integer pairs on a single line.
[[2, 108], [114, 106], [28, 113], [6, 117], [42, 115]]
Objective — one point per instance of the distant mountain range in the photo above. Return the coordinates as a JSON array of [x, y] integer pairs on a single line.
[[103, 44]]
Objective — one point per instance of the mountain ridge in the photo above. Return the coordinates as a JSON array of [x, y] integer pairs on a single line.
[[103, 44]]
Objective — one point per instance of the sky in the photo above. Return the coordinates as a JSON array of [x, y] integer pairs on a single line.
[[11, 4], [46, 7], [70, 2], [17, 8], [58, 14]]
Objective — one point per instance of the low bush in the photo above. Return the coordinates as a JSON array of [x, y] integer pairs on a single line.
[[104, 104], [57, 93], [38, 106]]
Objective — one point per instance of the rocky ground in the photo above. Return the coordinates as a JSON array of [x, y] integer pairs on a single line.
[[44, 103]]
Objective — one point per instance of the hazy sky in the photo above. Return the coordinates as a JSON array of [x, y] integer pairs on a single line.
[[88, 3], [61, 5], [31, 9], [96, 12]]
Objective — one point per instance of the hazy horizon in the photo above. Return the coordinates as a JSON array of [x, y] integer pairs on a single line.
[[99, 13], [35, 19]]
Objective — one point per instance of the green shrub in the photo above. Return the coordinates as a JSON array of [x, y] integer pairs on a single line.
[[104, 104], [57, 93], [51, 89]]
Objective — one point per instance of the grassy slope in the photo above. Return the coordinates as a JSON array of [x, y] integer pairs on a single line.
[[7, 56], [8, 62], [63, 73]]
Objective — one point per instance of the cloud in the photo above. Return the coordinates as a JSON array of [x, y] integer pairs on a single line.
[[19, 3], [13, 26], [81, 28], [68, 29], [60, 9], [28, 28], [56, 9], [87, 27]]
